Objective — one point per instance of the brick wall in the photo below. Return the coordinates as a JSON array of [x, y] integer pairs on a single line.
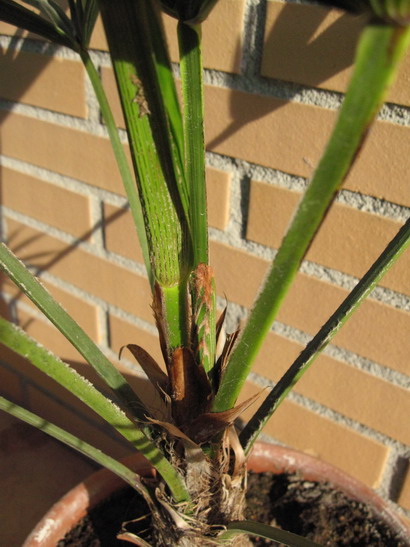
[[275, 73]]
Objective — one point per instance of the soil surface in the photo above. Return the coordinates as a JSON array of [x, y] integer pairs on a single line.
[[313, 510]]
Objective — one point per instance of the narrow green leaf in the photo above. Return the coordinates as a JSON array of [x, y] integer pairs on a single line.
[[189, 39], [332, 326], [27, 283], [14, 14], [381, 47], [279, 536], [88, 450]]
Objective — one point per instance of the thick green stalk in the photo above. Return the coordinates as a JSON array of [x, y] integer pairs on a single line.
[[189, 38], [151, 126], [27, 283], [332, 326], [122, 162], [380, 49], [126, 23]]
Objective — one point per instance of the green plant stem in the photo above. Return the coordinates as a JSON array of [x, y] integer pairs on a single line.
[[127, 28], [189, 39], [122, 162], [332, 326], [380, 49]]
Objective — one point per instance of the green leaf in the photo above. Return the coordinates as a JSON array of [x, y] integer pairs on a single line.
[[13, 13], [332, 326], [27, 283], [381, 47], [88, 450], [252, 528]]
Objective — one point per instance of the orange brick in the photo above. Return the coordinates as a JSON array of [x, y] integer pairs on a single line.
[[376, 331], [221, 36], [48, 82], [348, 241], [304, 430], [218, 195], [404, 497], [341, 387], [278, 134], [45, 202], [303, 44], [101, 278], [120, 234], [61, 149], [123, 333]]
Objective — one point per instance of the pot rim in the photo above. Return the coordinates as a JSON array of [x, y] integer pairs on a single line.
[[72, 507]]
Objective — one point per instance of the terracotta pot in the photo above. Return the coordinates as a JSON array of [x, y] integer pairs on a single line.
[[66, 513]]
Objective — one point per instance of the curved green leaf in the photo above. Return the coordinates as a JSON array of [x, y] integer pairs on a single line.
[[265, 531]]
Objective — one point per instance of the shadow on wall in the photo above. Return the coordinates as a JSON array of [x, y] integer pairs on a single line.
[[307, 46], [19, 85]]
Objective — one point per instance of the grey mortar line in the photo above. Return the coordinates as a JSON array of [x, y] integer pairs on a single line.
[[281, 179], [252, 37], [56, 118]]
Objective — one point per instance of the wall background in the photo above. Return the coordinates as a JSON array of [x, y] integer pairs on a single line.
[[275, 74]]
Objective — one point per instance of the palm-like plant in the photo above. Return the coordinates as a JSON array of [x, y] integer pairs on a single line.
[[199, 457]]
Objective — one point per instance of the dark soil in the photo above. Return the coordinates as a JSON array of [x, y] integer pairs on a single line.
[[313, 510]]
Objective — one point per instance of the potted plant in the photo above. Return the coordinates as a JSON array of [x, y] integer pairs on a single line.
[[197, 455]]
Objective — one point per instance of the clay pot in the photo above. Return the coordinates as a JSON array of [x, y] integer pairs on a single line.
[[67, 512]]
